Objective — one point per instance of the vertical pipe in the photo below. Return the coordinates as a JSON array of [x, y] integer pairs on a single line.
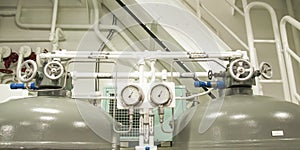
[[141, 71], [141, 128], [151, 129], [96, 28], [152, 67], [54, 19], [20, 60]]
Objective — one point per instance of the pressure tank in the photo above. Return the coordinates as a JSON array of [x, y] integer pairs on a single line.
[[54, 122], [239, 120]]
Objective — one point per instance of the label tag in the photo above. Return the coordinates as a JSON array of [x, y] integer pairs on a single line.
[[277, 133]]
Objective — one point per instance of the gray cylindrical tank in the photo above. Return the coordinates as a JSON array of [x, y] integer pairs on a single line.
[[48, 122], [239, 122]]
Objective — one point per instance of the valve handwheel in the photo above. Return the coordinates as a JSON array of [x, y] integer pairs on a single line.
[[29, 73], [266, 70], [241, 70], [210, 74], [53, 70]]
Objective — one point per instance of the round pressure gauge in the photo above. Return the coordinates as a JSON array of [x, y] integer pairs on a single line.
[[131, 95], [160, 94]]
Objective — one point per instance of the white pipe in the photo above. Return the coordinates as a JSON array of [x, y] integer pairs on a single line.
[[135, 75], [54, 19], [253, 54], [141, 128], [76, 96], [96, 28], [20, 61], [152, 67], [24, 51], [244, 3], [23, 40], [288, 52], [7, 13], [147, 55], [120, 31], [130, 120], [141, 71], [58, 35], [195, 95], [162, 123], [151, 127]]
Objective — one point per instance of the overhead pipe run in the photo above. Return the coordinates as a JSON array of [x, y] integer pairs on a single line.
[[54, 19], [156, 39], [96, 28]]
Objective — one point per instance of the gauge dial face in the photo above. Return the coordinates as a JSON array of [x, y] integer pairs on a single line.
[[160, 94], [131, 95]]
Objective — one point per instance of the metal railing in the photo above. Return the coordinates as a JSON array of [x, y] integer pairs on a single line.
[[289, 54], [276, 41], [287, 88], [285, 62]]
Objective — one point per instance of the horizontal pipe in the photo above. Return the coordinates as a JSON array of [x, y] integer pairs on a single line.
[[7, 13], [194, 96], [144, 55], [25, 40], [96, 28], [135, 75]]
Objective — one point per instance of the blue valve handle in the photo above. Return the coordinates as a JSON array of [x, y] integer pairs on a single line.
[[210, 84], [22, 86]]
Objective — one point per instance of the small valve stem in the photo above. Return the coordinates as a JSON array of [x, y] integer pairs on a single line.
[[161, 113]]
